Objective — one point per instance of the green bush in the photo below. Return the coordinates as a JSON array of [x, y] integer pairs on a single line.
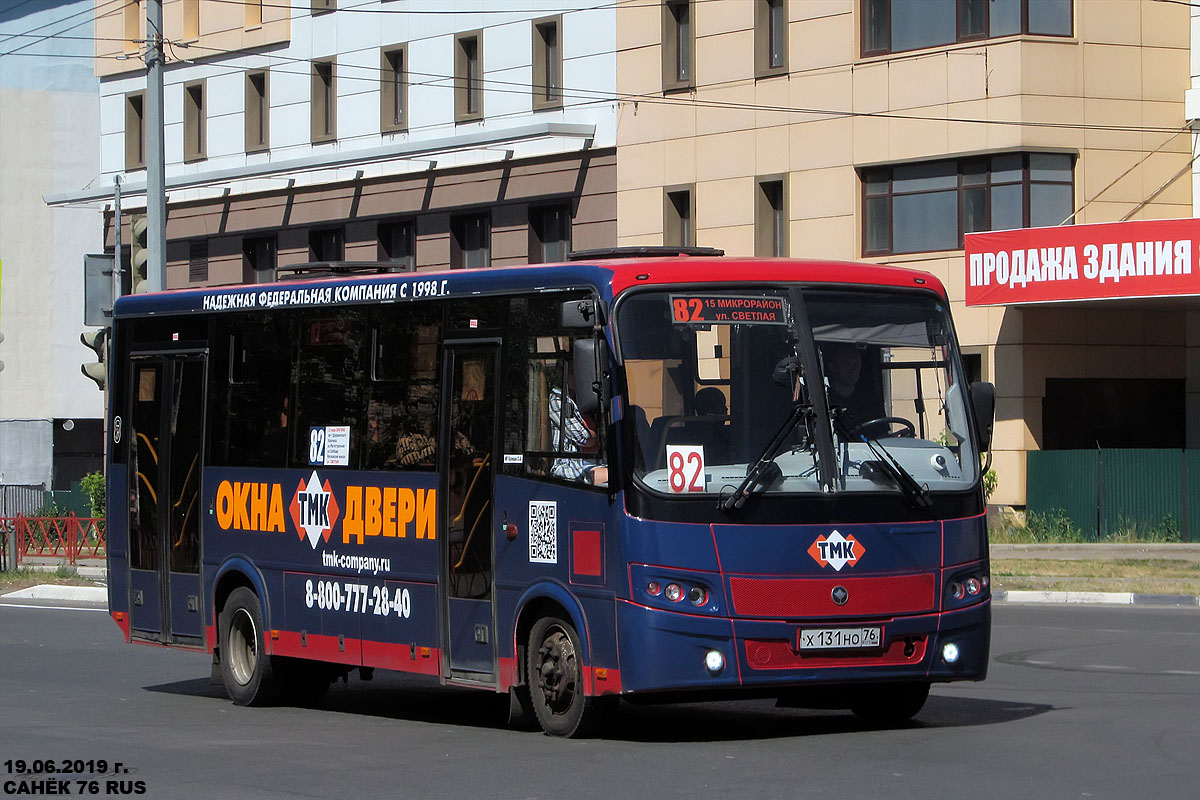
[[1128, 531], [1052, 528], [93, 485]]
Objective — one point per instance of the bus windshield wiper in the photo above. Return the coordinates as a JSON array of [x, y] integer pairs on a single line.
[[916, 493], [761, 472]]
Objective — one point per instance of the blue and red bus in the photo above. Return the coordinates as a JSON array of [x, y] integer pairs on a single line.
[[666, 477]]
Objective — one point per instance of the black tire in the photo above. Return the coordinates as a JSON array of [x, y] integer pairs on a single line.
[[890, 703], [246, 669], [555, 678]]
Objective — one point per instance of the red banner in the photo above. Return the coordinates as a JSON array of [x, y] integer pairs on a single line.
[[1083, 262]]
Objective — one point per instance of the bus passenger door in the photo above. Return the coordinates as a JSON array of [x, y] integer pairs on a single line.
[[466, 467], [165, 452]]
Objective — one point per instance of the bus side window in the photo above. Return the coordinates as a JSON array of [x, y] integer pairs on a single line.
[[249, 380], [402, 406], [329, 377]]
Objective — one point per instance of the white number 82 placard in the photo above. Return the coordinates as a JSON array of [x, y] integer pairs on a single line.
[[685, 468]]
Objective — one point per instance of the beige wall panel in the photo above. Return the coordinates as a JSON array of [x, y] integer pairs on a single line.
[[1012, 430], [825, 91], [815, 193], [1165, 115], [1050, 109], [1112, 112], [1105, 211], [821, 143], [591, 235], [967, 75], [772, 150], [1164, 211], [724, 120], [640, 213], [640, 240], [822, 42], [815, 9], [1109, 22], [1166, 327], [653, 122], [1164, 169], [917, 82], [725, 203], [724, 58], [773, 92], [1005, 137], [954, 278], [1053, 361], [870, 143], [717, 18], [1112, 71], [1008, 371], [726, 155], [1010, 477], [1164, 24], [870, 87], [1116, 326], [639, 24], [829, 237], [1114, 362], [640, 70], [1051, 68], [734, 240], [1100, 173], [1007, 325], [595, 208], [679, 162], [971, 324], [641, 166], [1004, 69], [1055, 325], [918, 138], [967, 137], [1164, 73]]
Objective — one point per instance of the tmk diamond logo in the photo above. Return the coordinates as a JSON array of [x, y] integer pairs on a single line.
[[314, 510], [836, 551]]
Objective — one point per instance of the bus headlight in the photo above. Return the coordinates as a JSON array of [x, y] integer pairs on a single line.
[[950, 653], [714, 662]]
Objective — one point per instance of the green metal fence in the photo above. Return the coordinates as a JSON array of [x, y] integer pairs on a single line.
[[1153, 494]]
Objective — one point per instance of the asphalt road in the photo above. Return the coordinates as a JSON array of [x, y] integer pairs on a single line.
[[1081, 702]]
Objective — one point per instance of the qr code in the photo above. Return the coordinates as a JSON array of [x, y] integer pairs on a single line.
[[543, 531]]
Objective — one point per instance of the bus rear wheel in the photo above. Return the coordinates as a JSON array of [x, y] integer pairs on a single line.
[[246, 669], [890, 703], [555, 677]]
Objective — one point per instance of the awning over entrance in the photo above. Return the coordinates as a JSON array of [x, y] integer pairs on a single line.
[[1071, 263]]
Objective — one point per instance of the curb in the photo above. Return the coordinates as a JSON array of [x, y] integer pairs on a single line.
[[76, 594], [1096, 598]]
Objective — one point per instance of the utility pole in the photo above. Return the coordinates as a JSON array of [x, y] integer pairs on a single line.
[[156, 188], [116, 270]]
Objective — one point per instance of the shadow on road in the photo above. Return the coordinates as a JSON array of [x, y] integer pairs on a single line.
[[404, 698]]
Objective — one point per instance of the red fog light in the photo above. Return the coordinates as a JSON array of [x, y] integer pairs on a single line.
[[654, 588]]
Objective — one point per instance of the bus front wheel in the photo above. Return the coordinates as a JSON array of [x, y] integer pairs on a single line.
[[555, 676], [245, 667], [890, 703]]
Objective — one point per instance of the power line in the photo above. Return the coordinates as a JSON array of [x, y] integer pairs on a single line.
[[79, 24]]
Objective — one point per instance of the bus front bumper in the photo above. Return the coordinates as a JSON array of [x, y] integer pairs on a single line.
[[666, 651]]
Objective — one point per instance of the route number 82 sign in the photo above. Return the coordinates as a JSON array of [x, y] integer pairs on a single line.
[[685, 468]]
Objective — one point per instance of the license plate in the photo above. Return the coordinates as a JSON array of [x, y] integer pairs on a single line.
[[840, 638]]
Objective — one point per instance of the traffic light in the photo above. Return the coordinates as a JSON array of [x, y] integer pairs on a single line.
[[139, 253], [97, 340]]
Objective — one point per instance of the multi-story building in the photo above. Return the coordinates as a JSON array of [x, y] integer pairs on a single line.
[[307, 132], [50, 414], [884, 130]]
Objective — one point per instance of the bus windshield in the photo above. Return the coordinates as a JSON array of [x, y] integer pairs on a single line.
[[717, 384]]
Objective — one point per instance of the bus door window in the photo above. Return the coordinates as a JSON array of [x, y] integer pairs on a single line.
[[469, 479], [145, 444], [186, 436]]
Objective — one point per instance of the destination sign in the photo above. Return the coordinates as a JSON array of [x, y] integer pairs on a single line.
[[725, 309]]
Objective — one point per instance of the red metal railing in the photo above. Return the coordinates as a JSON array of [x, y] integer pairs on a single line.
[[72, 538]]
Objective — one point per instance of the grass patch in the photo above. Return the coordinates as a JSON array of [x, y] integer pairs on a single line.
[[1013, 527], [23, 578], [1141, 576]]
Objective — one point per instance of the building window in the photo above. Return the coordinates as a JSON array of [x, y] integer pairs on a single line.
[[468, 76], [397, 245], [893, 26], [323, 6], [770, 218], [198, 260], [194, 144], [915, 208], [549, 234], [254, 9], [678, 214], [393, 90], [770, 37], [191, 19], [547, 63], [470, 241], [677, 45], [134, 21], [324, 102], [326, 244], [258, 259], [135, 131], [258, 112]]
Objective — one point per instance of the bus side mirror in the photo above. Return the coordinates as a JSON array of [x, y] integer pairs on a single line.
[[983, 398], [580, 313], [589, 360]]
